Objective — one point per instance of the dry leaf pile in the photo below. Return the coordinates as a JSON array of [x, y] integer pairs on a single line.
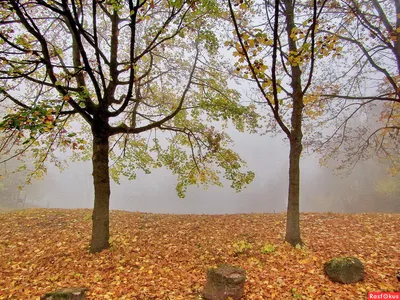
[[159, 256]]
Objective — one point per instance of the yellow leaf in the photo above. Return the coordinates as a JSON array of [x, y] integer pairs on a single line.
[[304, 261], [251, 43]]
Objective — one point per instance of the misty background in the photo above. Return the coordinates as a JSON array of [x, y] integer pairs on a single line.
[[366, 188], [321, 189]]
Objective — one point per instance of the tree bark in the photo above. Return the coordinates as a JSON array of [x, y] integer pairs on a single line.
[[293, 209], [101, 181], [296, 136]]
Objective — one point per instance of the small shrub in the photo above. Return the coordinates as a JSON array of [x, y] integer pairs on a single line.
[[87, 217], [302, 250], [267, 248], [295, 294], [241, 247]]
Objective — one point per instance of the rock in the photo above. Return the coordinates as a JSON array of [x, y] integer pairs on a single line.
[[66, 294], [344, 269], [224, 282]]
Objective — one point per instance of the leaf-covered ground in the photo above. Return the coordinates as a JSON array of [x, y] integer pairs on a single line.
[[157, 256]]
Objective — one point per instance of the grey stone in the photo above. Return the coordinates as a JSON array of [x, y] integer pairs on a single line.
[[224, 282], [344, 269], [66, 294]]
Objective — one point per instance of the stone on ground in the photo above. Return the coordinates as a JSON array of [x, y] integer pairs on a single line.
[[344, 269], [224, 282], [66, 294]]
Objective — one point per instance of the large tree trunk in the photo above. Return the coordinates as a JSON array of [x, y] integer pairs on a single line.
[[101, 180], [296, 137], [293, 209]]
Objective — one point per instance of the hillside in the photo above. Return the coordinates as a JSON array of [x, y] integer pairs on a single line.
[[157, 256]]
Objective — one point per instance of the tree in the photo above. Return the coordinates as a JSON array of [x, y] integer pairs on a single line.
[[365, 87], [121, 68], [11, 184], [288, 41]]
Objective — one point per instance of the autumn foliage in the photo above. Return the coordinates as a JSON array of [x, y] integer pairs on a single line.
[[155, 256]]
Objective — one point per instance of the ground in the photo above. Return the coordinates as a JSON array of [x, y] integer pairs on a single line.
[[154, 256]]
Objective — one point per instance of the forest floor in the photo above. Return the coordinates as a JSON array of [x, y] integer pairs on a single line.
[[165, 256]]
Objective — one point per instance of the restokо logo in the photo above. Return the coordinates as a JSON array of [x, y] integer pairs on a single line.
[[383, 295]]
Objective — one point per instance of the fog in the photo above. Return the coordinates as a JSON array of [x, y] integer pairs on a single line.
[[321, 190]]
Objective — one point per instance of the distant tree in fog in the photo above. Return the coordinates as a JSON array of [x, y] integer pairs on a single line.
[[363, 100]]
